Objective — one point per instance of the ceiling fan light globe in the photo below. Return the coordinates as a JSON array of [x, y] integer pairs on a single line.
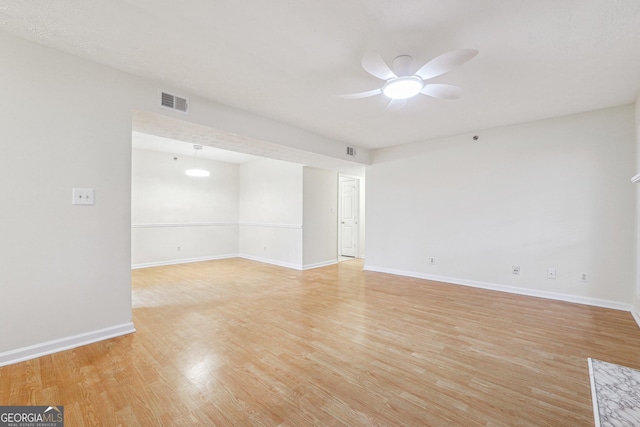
[[403, 87]]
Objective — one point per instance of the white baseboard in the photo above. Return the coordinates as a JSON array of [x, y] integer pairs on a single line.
[[510, 289], [227, 256], [319, 264], [49, 347], [272, 262], [636, 315], [181, 261]]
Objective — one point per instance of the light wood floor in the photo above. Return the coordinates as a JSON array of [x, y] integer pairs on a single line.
[[236, 342]]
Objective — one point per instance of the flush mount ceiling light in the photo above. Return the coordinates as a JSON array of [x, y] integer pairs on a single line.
[[400, 84], [403, 87], [195, 171]]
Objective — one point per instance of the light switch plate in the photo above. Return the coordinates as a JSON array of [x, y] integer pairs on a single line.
[[83, 196]]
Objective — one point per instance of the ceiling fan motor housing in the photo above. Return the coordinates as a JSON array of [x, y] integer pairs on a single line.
[[402, 65]]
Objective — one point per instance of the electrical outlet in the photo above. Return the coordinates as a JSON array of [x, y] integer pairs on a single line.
[[551, 273], [584, 277], [82, 196], [178, 248], [515, 269], [432, 260]]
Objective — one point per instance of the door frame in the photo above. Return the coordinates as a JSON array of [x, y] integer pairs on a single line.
[[345, 177]]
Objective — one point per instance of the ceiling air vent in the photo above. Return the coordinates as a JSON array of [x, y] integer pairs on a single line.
[[174, 102], [351, 151]]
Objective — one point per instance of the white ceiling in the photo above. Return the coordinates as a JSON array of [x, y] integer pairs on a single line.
[[144, 141], [287, 60]]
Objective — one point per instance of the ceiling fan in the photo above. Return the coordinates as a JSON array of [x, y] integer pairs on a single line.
[[401, 85]]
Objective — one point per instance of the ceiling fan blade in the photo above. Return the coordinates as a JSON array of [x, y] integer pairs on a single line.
[[396, 104], [445, 63], [361, 94], [442, 91], [373, 64]]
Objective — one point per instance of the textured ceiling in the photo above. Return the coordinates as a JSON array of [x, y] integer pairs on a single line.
[[287, 60], [145, 141], [160, 133]]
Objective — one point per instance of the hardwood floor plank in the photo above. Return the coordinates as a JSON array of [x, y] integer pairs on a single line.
[[237, 342]]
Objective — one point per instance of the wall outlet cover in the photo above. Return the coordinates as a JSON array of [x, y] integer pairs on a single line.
[[83, 196]]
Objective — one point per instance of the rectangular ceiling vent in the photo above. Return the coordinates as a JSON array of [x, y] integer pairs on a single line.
[[351, 151], [174, 102]]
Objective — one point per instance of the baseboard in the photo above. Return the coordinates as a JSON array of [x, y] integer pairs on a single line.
[[510, 289], [272, 262], [636, 315], [61, 344], [319, 264], [182, 261], [227, 256]]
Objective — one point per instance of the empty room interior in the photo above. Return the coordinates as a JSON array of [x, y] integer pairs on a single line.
[[339, 213]]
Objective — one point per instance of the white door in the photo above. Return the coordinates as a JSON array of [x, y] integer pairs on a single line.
[[348, 217]]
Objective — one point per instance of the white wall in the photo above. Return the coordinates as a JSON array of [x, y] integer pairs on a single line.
[[320, 217], [552, 193], [636, 301], [177, 218], [271, 212], [65, 276], [363, 218]]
